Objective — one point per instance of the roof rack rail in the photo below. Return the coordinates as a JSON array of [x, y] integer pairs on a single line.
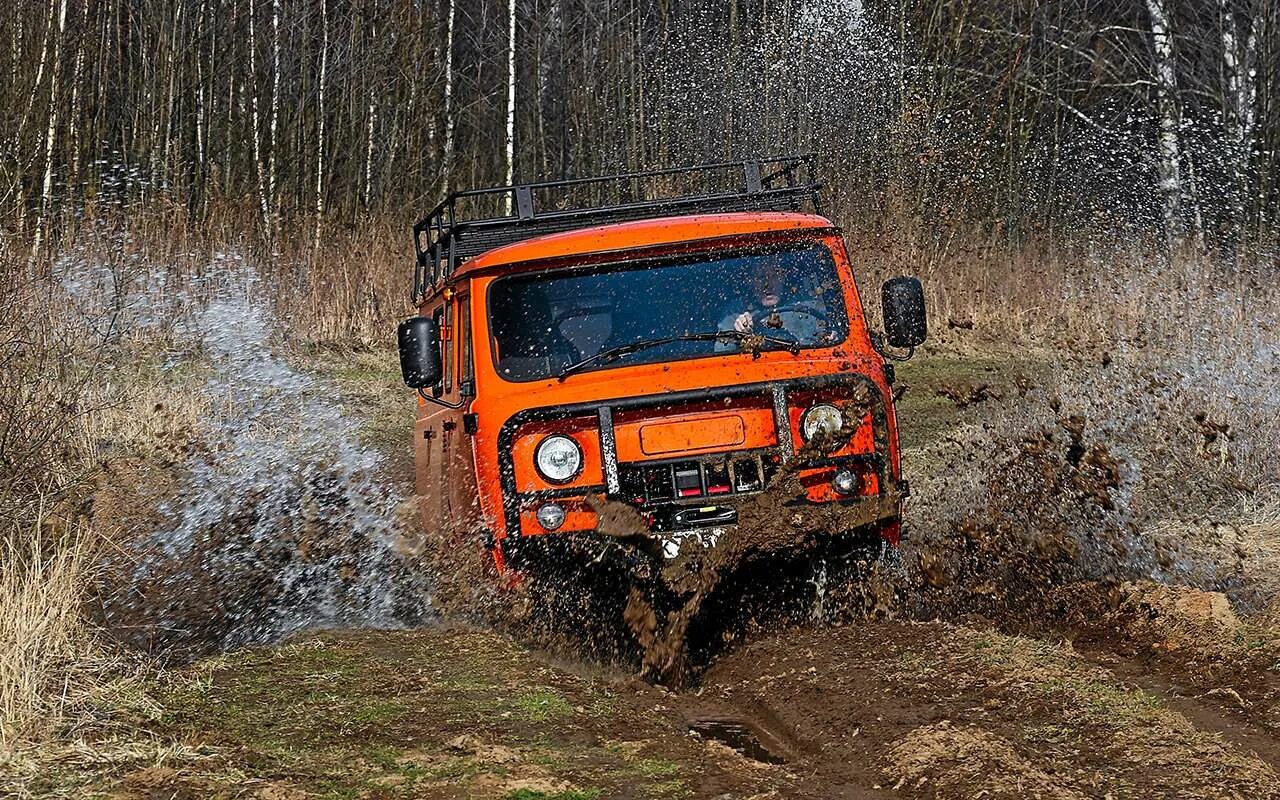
[[469, 223]]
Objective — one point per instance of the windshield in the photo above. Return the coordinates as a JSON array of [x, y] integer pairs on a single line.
[[786, 296]]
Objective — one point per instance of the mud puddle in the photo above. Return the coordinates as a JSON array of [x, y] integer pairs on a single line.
[[741, 735]]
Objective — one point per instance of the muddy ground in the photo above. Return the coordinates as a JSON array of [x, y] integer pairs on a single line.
[[881, 709], [1104, 688]]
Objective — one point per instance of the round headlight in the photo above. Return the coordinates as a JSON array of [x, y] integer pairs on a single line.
[[821, 420], [551, 516], [844, 481], [558, 458]]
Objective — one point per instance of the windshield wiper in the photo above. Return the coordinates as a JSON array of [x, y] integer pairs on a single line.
[[614, 353]]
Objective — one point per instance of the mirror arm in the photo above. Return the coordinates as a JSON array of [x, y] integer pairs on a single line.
[[423, 394], [877, 343]]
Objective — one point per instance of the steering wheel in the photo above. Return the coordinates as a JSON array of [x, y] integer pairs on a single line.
[[763, 316]]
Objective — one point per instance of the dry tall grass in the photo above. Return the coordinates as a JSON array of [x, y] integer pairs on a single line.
[[43, 633]]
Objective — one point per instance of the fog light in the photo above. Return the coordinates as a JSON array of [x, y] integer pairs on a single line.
[[551, 516], [845, 482]]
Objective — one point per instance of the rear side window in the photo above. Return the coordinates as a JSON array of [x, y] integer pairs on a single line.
[[437, 316], [465, 366], [446, 337]]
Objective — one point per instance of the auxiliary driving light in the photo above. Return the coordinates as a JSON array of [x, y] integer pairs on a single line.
[[551, 516], [845, 482], [822, 419], [558, 458]]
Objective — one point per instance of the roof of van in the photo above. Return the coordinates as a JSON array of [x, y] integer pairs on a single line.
[[642, 234]]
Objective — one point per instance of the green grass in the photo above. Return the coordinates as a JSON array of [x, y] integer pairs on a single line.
[[1106, 702], [924, 415], [567, 794], [541, 705]]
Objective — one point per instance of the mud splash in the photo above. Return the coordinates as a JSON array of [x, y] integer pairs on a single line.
[[280, 521], [772, 567]]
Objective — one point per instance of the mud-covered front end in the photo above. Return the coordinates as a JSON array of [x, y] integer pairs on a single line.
[[787, 467]]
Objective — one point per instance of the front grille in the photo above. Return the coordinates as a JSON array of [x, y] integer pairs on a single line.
[[712, 476]]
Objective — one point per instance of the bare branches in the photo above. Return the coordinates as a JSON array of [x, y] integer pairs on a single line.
[[1011, 115]]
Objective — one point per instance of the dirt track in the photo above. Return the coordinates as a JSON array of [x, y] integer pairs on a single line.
[[881, 709], [1107, 689]]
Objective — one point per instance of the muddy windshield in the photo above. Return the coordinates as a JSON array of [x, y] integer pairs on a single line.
[[778, 298]]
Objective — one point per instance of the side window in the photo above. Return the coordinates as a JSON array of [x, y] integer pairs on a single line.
[[465, 370], [437, 316], [446, 336]]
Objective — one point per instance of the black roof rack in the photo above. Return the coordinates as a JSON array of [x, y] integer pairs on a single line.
[[469, 223]]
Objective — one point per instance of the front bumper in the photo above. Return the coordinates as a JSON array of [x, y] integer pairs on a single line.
[[670, 515], [809, 525]]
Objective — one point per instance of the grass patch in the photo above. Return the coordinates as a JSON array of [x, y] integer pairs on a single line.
[[567, 794], [542, 705], [669, 789], [1105, 702], [378, 712], [655, 768], [925, 415]]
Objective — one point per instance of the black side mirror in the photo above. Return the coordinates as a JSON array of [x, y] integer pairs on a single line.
[[419, 340], [904, 318]]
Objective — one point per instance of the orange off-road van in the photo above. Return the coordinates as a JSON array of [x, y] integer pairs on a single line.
[[659, 350]]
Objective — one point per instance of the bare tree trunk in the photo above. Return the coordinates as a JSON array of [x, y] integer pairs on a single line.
[[320, 122], [510, 148], [1169, 163], [446, 160], [371, 116], [77, 82], [51, 136], [201, 112], [263, 206], [272, 203], [167, 116], [19, 138], [1238, 100]]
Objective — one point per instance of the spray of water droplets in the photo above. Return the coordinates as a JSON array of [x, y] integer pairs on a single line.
[[281, 521]]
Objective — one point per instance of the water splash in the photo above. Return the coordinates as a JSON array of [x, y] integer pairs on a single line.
[[282, 522]]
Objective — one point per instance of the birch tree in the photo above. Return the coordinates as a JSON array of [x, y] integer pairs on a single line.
[[510, 145], [446, 158], [1238, 68], [321, 111], [264, 206], [51, 132], [371, 118], [269, 218], [1168, 147]]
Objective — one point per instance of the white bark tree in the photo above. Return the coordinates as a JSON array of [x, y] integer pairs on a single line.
[[371, 118], [1168, 146], [1239, 59], [51, 133], [510, 148], [446, 159], [264, 206], [269, 218], [320, 122]]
